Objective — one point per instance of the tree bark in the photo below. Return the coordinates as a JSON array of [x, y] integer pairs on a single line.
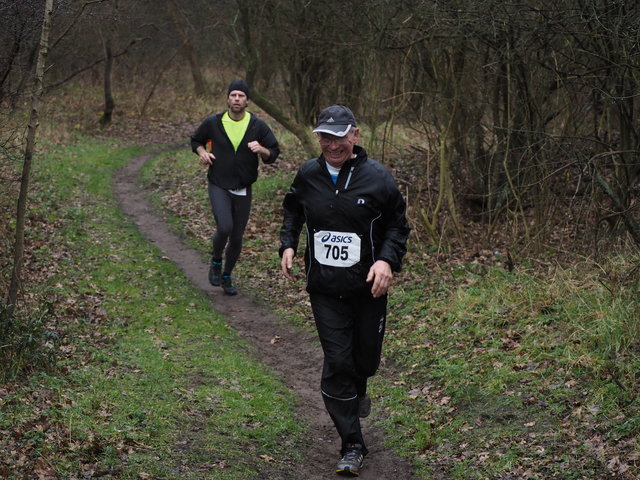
[[109, 103], [301, 132], [18, 250]]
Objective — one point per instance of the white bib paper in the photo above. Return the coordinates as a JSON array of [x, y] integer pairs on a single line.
[[336, 249]]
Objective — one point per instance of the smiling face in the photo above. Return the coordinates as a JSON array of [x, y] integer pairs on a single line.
[[237, 102], [337, 150]]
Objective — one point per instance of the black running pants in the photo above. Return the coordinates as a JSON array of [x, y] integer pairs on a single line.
[[351, 331]]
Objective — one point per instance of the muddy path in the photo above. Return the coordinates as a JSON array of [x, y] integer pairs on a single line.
[[296, 356]]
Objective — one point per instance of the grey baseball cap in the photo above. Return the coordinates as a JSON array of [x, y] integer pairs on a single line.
[[335, 120]]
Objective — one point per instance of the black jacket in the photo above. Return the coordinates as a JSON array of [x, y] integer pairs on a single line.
[[365, 203], [234, 169]]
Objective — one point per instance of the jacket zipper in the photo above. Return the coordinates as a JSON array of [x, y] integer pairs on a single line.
[[346, 185]]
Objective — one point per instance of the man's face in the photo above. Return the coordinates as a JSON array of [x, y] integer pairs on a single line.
[[237, 101], [337, 150]]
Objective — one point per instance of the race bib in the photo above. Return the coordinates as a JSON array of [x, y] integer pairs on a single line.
[[336, 249]]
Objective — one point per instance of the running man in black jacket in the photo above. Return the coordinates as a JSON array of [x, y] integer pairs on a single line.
[[230, 143], [356, 238]]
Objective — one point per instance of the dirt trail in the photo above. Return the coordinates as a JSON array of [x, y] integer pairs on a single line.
[[296, 356]]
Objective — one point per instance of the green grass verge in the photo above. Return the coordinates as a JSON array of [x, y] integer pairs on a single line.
[[510, 375], [154, 384]]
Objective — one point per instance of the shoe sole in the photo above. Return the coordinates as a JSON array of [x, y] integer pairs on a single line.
[[347, 473]]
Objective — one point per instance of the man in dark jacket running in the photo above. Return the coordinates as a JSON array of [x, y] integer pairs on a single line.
[[356, 238], [230, 143]]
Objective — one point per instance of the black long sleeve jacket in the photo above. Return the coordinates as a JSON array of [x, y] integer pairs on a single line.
[[234, 169], [350, 225]]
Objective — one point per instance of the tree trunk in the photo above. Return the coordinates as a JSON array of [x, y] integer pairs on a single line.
[[109, 103], [18, 249], [302, 132]]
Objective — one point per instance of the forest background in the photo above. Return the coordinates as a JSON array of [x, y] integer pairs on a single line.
[[512, 128]]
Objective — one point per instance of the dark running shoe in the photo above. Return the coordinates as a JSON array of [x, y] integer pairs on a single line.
[[364, 406], [215, 273], [351, 462], [227, 285]]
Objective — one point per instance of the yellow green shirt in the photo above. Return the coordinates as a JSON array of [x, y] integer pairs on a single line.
[[235, 129]]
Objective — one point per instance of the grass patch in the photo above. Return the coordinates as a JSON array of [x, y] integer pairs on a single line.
[[151, 383], [508, 374]]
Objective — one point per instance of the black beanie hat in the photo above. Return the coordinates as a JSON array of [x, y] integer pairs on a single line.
[[238, 85]]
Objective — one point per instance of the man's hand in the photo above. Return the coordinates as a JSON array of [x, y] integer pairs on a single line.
[[206, 158], [286, 264], [381, 275], [258, 149]]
